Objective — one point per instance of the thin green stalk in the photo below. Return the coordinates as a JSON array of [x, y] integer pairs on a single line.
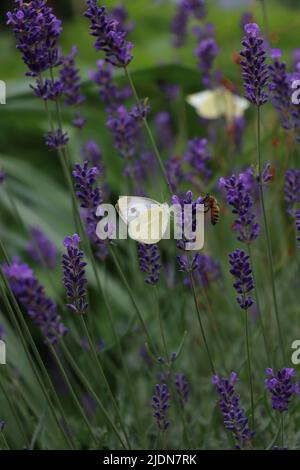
[[101, 370], [262, 327], [249, 368], [266, 229], [73, 393], [14, 412], [4, 441], [282, 429], [131, 295], [149, 132], [88, 386], [161, 326], [34, 349], [213, 370]]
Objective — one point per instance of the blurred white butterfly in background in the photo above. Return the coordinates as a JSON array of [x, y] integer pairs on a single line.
[[214, 104], [147, 220]]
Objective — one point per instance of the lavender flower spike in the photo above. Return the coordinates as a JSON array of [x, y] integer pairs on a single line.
[[254, 68], [241, 270], [282, 387], [109, 38], [234, 416], [182, 388], [160, 406], [31, 295], [149, 259], [2, 176], [70, 79], [74, 275], [37, 31], [297, 218], [41, 249]]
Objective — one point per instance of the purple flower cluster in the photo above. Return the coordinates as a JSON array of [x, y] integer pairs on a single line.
[[111, 95], [186, 9], [109, 38], [1, 332], [164, 128], [126, 131], [91, 152], [297, 219], [202, 266], [235, 419], [186, 217], [90, 197], [240, 199], [292, 189], [206, 52], [31, 295], [280, 89], [2, 176], [74, 275], [198, 158], [56, 139], [149, 259], [70, 79], [174, 172], [254, 68], [37, 31], [182, 388], [41, 249], [120, 14], [282, 387], [160, 406], [241, 271]]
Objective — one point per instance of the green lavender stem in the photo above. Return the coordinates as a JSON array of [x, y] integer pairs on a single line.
[[249, 368], [266, 229], [161, 326], [86, 383], [149, 132], [73, 393], [261, 323], [213, 370]]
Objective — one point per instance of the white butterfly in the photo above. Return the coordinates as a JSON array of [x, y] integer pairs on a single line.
[[147, 220], [214, 104]]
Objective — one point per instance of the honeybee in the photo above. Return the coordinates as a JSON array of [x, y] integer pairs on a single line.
[[211, 204]]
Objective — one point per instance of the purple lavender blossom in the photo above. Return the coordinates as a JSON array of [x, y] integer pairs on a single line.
[[56, 139], [182, 388], [46, 89], [1, 332], [254, 68], [235, 419], [292, 189], [206, 52], [125, 129], [149, 259], [241, 200], [2, 425], [140, 110], [179, 26], [37, 31], [79, 121], [74, 275], [246, 18], [196, 7], [2, 176], [186, 220], [109, 38], [297, 220], [174, 172], [280, 89], [92, 153], [198, 158], [188, 266], [90, 197], [296, 57], [31, 295], [111, 95], [160, 406], [241, 271], [70, 79], [208, 269], [41, 249], [164, 128], [120, 14], [282, 387]]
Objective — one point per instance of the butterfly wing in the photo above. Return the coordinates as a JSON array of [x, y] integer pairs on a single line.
[[131, 207], [151, 226]]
